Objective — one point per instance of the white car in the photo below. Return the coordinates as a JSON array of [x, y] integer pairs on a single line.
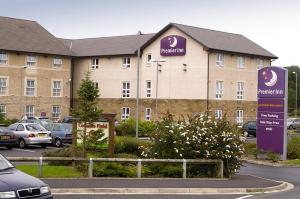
[[293, 123], [31, 134]]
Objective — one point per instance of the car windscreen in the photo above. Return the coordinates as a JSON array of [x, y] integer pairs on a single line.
[[34, 127], [67, 127], [4, 164]]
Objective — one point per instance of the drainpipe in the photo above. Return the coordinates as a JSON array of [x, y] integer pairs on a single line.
[[207, 84], [71, 83], [137, 94]]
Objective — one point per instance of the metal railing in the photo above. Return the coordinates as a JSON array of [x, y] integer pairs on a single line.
[[138, 162]]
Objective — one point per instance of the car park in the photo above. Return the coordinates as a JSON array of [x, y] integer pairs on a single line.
[[250, 128], [16, 184], [42, 121], [7, 137], [61, 133], [293, 123], [31, 134]]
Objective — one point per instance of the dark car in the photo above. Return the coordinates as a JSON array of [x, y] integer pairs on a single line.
[[61, 133], [16, 184], [7, 137], [68, 119], [250, 128]]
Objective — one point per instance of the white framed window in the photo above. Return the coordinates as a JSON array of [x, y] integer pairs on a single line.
[[31, 60], [126, 62], [30, 87], [240, 90], [96, 85], [29, 110], [219, 89], [3, 58], [148, 114], [3, 85], [148, 88], [149, 59], [56, 113], [125, 89], [3, 109], [57, 62], [95, 63], [220, 59], [241, 62], [239, 116], [125, 113], [56, 88], [260, 63], [218, 113]]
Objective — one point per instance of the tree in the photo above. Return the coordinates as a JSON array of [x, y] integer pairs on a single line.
[[292, 87], [86, 110]]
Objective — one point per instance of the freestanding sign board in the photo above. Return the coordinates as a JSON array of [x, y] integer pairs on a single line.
[[272, 110]]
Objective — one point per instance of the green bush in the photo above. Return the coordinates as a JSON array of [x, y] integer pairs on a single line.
[[293, 148], [127, 145], [170, 170], [146, 128], [126, 128], [106, 169], [62, 152], [251, 149], [273, 156], [5, 121]]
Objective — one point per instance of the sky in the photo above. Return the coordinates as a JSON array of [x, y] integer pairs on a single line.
[[273, 24]]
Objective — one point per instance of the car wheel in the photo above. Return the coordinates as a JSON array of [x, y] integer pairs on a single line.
[[58, 142], [22, 143], [43, 145], [9, 147]]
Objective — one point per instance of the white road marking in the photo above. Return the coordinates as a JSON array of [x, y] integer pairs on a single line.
[[243, 197], [24, 150]]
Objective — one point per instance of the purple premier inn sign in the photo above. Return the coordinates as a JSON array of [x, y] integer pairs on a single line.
[[173, 45], [272, 110]]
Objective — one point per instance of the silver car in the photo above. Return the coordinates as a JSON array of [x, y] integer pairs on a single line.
[[31, 134], [293, 123]]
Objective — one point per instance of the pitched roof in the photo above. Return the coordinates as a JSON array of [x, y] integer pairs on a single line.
[[104, 46], [217, 40], [28, 36]]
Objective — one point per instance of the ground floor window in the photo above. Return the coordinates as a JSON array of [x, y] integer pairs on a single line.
[[3, 109], [239, 116], [125, 113], [148, 114], [218, 113], [56, 113], [29, 111]]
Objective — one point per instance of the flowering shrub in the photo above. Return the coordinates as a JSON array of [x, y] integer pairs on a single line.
[[198, 137]]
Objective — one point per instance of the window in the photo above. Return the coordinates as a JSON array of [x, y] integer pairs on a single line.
[[240, 90], [149, 59], [125, 113], [3, 85], [30, 87], [126, 62], [219, 89], [260, 63], [148, 114], [218, 113], [20, 128], [220, 59], [95, 63], [56, 113], [56, 89], [57, 62], [96, 85], [241, 62], [148, 88], [31, 60], [3, 109], [29, 111], [3, 58], [126, 90], [239, 117]]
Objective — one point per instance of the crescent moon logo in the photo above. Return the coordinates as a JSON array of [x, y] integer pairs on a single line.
[[174, 43], [273, 80]]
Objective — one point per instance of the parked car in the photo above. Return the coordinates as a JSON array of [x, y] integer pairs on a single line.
[[293, 123], [68, 119], [31, 134], [16, 184], [250, 128], [61, 133], [7, 138], [41, 121]]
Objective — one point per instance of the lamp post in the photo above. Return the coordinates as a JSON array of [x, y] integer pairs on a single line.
[[156, 102], [296, 97]]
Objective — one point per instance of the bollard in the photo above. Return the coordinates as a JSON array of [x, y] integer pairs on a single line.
[[221, 169], [184, 168], [139, 168], [40, 167], [91, 168]]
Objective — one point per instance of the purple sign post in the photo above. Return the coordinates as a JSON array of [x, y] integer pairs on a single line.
[[272, 110], [173, 45]]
